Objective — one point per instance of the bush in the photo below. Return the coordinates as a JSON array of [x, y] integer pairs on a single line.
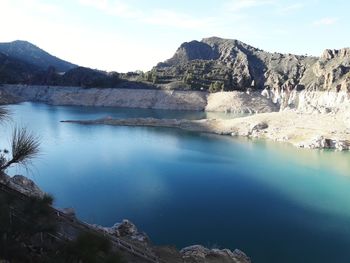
[[216, 86]]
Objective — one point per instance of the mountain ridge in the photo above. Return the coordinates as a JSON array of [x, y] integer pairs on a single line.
[[30, 53], [235, 65], [212, 64]]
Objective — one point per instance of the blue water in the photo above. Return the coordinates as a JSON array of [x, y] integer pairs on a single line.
[[273, 201]]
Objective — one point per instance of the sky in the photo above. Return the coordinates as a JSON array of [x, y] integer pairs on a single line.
[[129, 35]]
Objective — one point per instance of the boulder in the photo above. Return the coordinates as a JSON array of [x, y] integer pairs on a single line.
[[125, 229], [321, 142], [24, 185]]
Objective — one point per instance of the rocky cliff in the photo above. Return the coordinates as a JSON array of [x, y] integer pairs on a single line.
[[224, 64]]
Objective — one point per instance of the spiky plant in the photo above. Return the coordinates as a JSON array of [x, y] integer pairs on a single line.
[[4, 113], [24, 147]]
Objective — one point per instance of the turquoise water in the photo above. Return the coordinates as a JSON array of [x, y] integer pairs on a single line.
[[273, 201]]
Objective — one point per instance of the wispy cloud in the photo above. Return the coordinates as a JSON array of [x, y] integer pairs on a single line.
[[327, 21], [292, 7], [160, 17], [113, 7], [165, 17], [238, 5]]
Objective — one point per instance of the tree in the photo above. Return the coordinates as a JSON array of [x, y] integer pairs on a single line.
[[4, 113], [24, 147], [216, 86], [189, 78]]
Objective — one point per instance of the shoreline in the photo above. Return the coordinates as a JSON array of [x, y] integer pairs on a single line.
[[314, 131]]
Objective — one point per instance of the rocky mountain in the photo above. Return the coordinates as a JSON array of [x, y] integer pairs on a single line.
[[224, 64], [27, 52]]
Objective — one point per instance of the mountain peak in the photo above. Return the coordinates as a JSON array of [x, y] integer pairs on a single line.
[[30, 53]]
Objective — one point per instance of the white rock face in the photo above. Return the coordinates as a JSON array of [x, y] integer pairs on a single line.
[[236, 102], [239, 102], [129, 98]]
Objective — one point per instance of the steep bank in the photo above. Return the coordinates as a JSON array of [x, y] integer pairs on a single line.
[[235, 101], [129, 98]]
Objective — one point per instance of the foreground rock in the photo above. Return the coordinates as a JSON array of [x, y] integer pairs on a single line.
[[200, 254], [196, 253], [125, 229], [22, 184]]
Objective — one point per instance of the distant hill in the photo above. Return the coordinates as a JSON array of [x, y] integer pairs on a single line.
[[24, 63], [27, 52]]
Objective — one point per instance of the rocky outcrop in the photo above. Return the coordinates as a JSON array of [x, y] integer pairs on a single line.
[[314, 101], [22, 184], [125, 229], [200, 254], [320, 142], [331, 72]]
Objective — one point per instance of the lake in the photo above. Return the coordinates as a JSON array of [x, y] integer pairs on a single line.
[[275, 202]]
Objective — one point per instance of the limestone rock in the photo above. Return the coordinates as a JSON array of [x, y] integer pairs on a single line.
[[320, 142], [240, 102]]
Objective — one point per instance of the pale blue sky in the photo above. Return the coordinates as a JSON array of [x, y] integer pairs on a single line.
[[126, 35]]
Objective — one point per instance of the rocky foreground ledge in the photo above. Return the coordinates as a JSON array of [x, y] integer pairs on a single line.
[[304, 130]]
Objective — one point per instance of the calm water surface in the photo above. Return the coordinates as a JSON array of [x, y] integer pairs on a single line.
[[275, 202]]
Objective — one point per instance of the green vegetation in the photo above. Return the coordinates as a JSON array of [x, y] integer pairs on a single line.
[[90, 248], [27, 231], [23, 224], [150, 76], [216, 86]]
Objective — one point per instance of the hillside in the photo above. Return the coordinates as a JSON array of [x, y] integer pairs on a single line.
[[32, 54], [14, 71], [24, 63], [225, 64]]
